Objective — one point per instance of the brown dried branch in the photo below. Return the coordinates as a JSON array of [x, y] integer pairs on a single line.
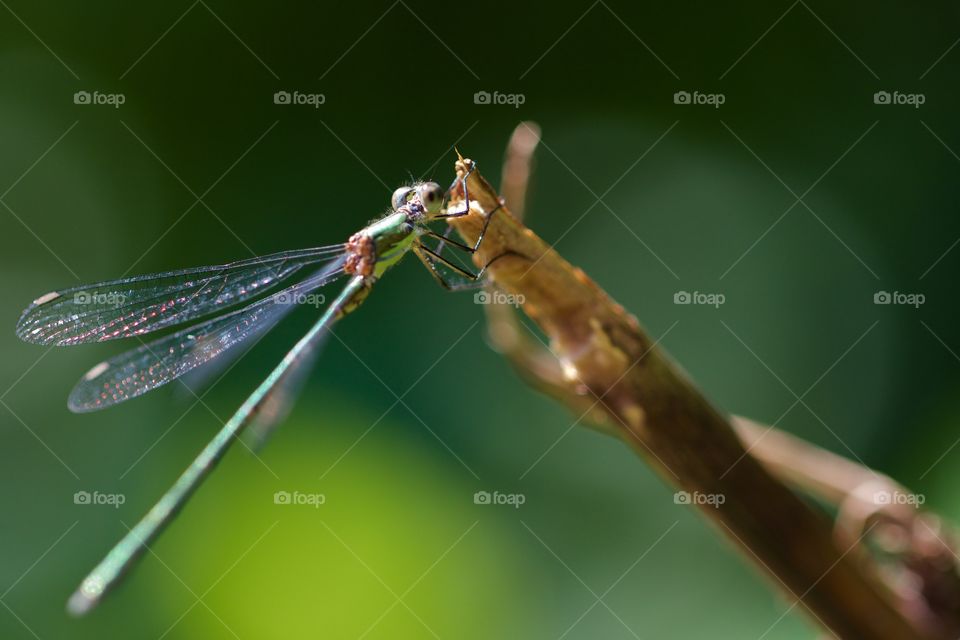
[[603, 365]]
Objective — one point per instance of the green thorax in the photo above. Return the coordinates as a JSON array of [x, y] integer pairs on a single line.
[[393, 236]]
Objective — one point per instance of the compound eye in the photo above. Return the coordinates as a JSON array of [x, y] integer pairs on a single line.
[[431, 196], [400, 197]]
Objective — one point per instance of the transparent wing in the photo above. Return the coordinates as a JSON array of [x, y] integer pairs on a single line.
[[276, 406], [141, 304], [106, 574], [156, 363]]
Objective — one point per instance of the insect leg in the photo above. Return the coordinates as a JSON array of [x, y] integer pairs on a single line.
[[431, 265]]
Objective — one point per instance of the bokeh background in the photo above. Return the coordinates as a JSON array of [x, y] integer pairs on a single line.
[[648, 196]]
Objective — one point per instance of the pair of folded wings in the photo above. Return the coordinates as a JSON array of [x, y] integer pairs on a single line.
[[139, 305]]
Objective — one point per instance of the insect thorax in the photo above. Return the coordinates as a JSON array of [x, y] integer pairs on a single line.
[[361, 254]]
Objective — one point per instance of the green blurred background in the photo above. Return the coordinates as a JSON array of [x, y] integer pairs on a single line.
[[96, 191]]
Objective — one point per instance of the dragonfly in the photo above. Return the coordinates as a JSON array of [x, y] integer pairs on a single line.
[[232, 295]]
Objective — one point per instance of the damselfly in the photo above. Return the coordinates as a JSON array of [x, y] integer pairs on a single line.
[[132, 307]]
